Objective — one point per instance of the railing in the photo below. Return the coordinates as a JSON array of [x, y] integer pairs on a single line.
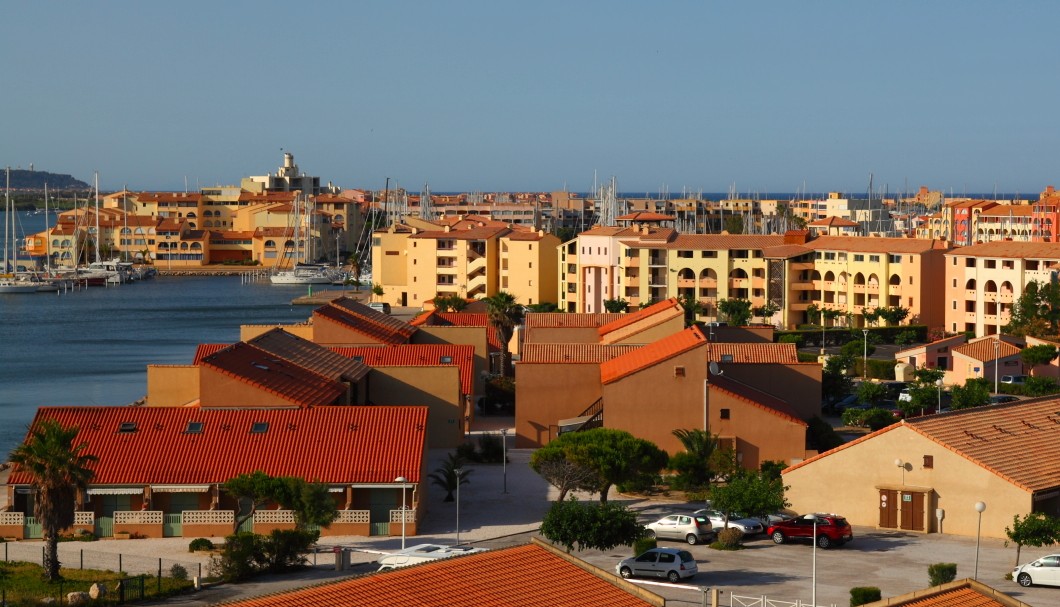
[[12, 518], [84, 518], [595, 412], [273, 517], [353, 516], [764, 601], [138, 517], [410, 515], [209, 517]]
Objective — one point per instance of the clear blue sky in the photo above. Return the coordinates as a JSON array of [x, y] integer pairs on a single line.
[[496, 95]]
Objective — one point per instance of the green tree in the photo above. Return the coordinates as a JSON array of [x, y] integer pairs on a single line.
[[813, 314], [871, 317], [1034, 529], [1036, 312], [58, 471], [562, 473], [616, 305], [692, 308], [922, 397], [973, 393], [835, 383], [749, 493], [450, 474], [1034, 356], [893, 315], [1040, 386], [543, 307], [504, 314], [876, 418], [734, 224], [925, 375], [377, 289], [310, 502], [737, 311], [449, 303], [692, 466], [871, 393], [615, 456], [765, 311], [857, 349], [574, 524]]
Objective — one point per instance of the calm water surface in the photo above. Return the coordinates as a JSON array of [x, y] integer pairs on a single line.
[[92, 346]]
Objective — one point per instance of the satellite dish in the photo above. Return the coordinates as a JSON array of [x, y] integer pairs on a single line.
[[714, 370]]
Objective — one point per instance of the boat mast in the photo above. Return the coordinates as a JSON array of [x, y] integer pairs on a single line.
[[96, 183], [47, 236], [7, 215]]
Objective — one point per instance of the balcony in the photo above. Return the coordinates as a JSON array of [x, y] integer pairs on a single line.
[[738, 283], [686, 283], [632, 262]]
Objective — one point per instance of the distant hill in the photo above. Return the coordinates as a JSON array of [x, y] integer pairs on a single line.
[[35, 180]]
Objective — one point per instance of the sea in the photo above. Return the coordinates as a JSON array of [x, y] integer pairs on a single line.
[[91, 347]]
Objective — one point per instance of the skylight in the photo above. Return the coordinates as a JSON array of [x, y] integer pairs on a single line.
[[194, 428], [259, 428], [127, 427]]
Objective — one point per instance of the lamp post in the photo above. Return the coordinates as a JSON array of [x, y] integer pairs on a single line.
[[997, 350], [402, 480], [979, 507], [337, 261], [459, 474], [504, 457], [813, 595], [901, 464], [865, 353], [938, 384]]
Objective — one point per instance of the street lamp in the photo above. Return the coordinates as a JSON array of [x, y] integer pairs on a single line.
[[402, 480], [504, 457], [813, 595], [938, 384], [865, 354], [459, 474], [979, 507], [997, 355], [901, 464]]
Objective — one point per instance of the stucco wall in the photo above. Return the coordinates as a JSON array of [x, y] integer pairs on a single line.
[[437, 388], [249, 332], [547, 393], [847, 482], [172, 385], [219, 390], [761, 435], [799, 384], [463, 336]]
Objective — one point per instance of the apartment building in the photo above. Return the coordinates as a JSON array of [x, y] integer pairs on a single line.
[[468, 257], [983, 281]]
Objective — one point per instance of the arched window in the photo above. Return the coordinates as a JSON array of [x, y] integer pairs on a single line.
[[991, 287], [895, 280], [970, 285], [708, 274], [270, 244], [738, 273], [859, 279], [196, 246], [829, 276], [686, 274]]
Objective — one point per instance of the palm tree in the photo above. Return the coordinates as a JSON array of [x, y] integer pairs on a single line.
[[59, 470], [451, 473], [504, 313]]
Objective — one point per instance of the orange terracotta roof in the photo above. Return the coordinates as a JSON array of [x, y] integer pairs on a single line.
[[651, 354], [645, 216], [205, 350], [260, 232], [1008, 210], [525, 236], [293, 383], [764, 353], [379, 443], [1008, 248], [756, 398], [246, 196], [786, 251], [572, 353], [434, 318], [362, 319], [959, 593], [983, 350], [663, 309], [531, 575], [875, 244], [833, 222], [561, 320], [311, 356], [709, 242], [477, 233], [417, 355], [168, 196]]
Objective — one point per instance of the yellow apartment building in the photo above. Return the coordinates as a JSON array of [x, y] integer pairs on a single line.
[[469, 259]]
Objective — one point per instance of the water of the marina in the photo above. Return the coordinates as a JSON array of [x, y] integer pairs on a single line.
[[92, 346]]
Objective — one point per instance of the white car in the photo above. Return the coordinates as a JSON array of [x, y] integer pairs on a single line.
[[1044, 571], [749, 526]]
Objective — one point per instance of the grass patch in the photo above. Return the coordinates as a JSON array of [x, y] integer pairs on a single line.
[[21, 584]]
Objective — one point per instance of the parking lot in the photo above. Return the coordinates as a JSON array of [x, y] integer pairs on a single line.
[[894, 561]]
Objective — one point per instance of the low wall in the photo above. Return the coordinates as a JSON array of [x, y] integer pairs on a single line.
[[206, 530], [14, 531], [138, 529]]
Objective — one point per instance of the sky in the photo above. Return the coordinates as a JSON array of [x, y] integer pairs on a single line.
[[666, 97]]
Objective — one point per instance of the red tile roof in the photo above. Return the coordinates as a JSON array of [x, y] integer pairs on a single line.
[[645, 216], [475, 233], [572, 353], [875, 244], [293, 383], [434, 318], [786, 251], [699, 242], [1008, 248], [560, 320], [662, 311], [418, 355], [961, 593], [756, 398], [205, 350], [651, 354], [362, 319], [314, 357], [983, 350], [531, 575], [377, 443], [729, 352]]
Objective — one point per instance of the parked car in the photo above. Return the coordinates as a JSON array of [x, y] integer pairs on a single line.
[[748, 526], [1014, 379], [686, 527], [1044, 571], [831, 530], [670, 563], [776, 517], [844, 403], [380, 306], [894, 388]]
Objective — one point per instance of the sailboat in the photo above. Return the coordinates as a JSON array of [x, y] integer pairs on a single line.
[[9, 283], [303, 273]]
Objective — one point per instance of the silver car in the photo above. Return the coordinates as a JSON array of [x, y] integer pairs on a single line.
[[748, 526], [670, 563], [1044, 571], [685, 527]]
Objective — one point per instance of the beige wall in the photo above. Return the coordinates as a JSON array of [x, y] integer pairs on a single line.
[[760, 435], [461, 336], [172, 385], [220, 390], [531, 269], [389, 266], [547, 393], [437, 388], [847, 482], [249, 332], [330, 333], [798, 384]]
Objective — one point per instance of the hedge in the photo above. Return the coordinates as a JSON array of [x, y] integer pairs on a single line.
[[838, 336]]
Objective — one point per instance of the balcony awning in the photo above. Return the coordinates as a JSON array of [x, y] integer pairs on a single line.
[[115, 490], [180, 488]]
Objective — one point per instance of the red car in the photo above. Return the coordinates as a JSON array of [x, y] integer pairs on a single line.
[[831, 530]]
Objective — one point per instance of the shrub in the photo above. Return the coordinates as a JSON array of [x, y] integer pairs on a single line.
[[729, 538], [862, 595], [696, 496], [876, 419], [178, 572], [1040, 386], [284, 549], [239, 557], [942, 573], [466, 452], [854, 417], [792, 338], [642, 545], [823, 436], [490, 449], [200, 543], [905, 337]]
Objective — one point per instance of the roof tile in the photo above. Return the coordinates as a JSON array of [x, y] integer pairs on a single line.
[[651, 354], [418, 355]]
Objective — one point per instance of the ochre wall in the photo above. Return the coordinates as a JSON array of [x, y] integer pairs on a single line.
[[172, 385], [219, 390], [461, 336], [761, 435], [437, 388], [547, 393], [248, 332], [798, 384], [563, 335]]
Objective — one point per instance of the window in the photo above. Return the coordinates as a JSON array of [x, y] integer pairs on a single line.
[[445, 360], [874, 258], [894, 258], [127, 427], [859, 258], [259, 427], [929, 461], [679, 371], [724, 414]]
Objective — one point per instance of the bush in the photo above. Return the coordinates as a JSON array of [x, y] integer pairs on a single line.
[[905, 338], [863, 595], [178, 572], [200, 543], [643, 545], [239, 557], [729, 538], [490, 449], [792, 338], [942, 573], [1040, 386], [823, 436], [854, 418], [284, 549], [466, 452], [876, 419]]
